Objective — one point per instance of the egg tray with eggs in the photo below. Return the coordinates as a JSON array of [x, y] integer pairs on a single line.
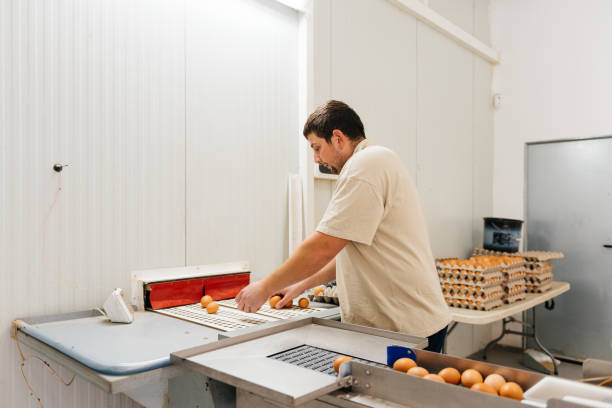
[[539, 288], [514, 275], [324, 294], [529, 256], [512, 294], [474, 304], [466, 266], [539, 278], [463, 278], [490, 293]]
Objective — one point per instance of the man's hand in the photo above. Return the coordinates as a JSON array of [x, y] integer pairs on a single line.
[[289, 293], [252, 297]]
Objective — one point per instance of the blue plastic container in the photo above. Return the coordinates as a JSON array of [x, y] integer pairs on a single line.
[[502, 234]]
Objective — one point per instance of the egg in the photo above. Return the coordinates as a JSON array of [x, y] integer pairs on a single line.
[[434, 377], [205, 300], [212, 307], [319, 291], [511, 390], [495, 381], [482, 387], [338, 362], [303, 303], [418, 371], [273, 301], [470, 377], [451, 375], [404, 364]]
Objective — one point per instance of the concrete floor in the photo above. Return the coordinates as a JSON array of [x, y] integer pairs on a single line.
[[513, 357]]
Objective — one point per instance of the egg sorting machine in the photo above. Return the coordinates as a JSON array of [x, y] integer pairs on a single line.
[[291, 365], [134, 359], [176, 292]]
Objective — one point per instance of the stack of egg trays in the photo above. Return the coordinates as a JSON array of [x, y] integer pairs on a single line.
[[471, 287], [514, 281], [539, 276]]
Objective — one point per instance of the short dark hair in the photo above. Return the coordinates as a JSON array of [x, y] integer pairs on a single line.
[[334, 115]]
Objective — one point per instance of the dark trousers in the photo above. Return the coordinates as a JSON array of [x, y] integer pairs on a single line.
[[436, 341]]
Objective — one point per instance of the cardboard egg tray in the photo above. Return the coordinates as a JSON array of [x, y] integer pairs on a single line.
[[514, 275], [538, 267], [538, 288], [475, 281], [515, 296], [474, 304], [470, 293], [468, 269], [539, 278], [530, 256]]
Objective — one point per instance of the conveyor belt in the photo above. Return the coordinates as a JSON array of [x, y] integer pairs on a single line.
[[315, 358], [229, 318]]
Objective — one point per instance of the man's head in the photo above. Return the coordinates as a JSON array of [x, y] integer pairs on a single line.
[[333, 130]]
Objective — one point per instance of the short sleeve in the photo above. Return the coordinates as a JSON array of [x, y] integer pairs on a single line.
[[354, 213]]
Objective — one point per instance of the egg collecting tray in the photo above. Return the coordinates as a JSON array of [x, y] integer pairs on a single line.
[[229, 318]]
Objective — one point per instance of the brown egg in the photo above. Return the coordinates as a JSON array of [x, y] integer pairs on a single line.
[[451, 375], [511, 390], [404, 364], [338, 362], [212, 307], [495, 381], [303, 302], [418, 371], [482, 387], [205, 300], [319, 291], [434, 377], [274, 300], [470, 377]]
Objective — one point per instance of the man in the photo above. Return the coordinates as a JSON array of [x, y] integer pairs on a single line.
[[372, 239]]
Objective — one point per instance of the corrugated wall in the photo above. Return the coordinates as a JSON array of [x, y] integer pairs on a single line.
[[98, 85]]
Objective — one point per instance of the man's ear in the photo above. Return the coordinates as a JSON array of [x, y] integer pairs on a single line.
[[338, 137]]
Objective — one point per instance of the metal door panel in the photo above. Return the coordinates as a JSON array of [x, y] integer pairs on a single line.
[[569, 209]]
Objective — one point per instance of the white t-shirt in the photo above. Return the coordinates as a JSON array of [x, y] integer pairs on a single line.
[[386, 274]]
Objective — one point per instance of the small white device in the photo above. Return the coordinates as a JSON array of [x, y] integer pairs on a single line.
[[117, 308]]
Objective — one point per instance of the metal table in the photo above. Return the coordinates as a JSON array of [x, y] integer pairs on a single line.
[[505, 313]]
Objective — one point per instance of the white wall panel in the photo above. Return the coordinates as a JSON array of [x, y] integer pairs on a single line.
[[374, 71], [242, 130], [98, 85], [444, 175]]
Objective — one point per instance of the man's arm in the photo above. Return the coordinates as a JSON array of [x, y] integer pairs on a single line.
[[309, 258], [326, 274]]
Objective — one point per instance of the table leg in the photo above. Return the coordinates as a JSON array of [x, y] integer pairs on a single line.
[[495, 340], [539, 343]]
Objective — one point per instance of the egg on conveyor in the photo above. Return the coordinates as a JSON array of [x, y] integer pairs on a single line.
[[470, 377], [511, 390], [418, 371], [212, 307], [274, 300], [434, 377], [205, 300], [482, 387], [495, 381], [451, 375], [338, 362], [404, 364]]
